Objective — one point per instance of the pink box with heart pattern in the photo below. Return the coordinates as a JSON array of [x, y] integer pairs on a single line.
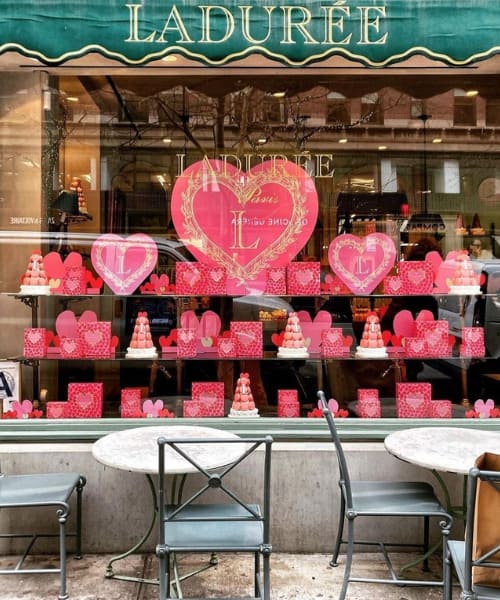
[[56, 410], [417, 276], [288, 404], [210, 395], [303, 278], [186, 342], [435, 334], [226, 347], [35, 345], [70, 347], [276, 281], [368, 406], [394, 285], [415, 347], [249, 337], [472, 342], [215, 277], [189, 279], [332, 342], [95, 338], [192, 408], [413, 400], [85, 400], [441, 409], [74, 283], [130, 402]]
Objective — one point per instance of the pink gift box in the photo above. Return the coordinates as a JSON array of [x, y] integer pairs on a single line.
[[95, 338], [276, 281], [35, 342], [226, 347], [367, 394], [56, 410], [288, 404], [130, 402], [435, 334], [249, 337], [413, 400], [394, 286], [369, 409], [472, 342], [441, 409], [210, 395], [332, 342], [74, 283], [70, 347], [215, 278], [192, 408], [415, 347], [85, 400], [303, 278], [186, 342], [189, 278], [417, 276]]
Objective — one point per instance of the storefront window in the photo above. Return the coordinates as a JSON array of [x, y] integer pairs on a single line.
[[128, 138]]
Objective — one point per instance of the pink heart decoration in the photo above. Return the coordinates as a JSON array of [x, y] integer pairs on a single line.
[[84, 400], [92, 338], [484, 408], [152, 409], [333, 405], [370, 409], [404, 323], [245, 222], [55, 267], [22, 408], [434, 259], [124, 263], [161, 283], [362, 263], [208, 397], [322, 317], [67, 323]]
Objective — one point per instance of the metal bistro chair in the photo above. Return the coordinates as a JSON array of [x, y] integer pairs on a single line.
[[381, 499], [459, 552], [230, 525], [44, 490]]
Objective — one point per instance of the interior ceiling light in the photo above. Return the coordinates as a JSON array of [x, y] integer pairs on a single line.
[[471, 93], [382, 147], [281, 94], [262, 140], [437, 140], [167, 140], [72, 99], [343, 141]]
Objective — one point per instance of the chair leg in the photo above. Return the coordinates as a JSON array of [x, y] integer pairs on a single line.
[[446, 575], [348, 558], [340, 533], [79, 491], [62, 514], [425, 564], [266, 575]]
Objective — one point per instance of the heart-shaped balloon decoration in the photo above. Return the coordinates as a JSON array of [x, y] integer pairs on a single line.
[[152, 409], [124, 263], [362, 263], [245, 222], [55, 267], [484, 408], [67, 322], [404, 323], [22, 409]]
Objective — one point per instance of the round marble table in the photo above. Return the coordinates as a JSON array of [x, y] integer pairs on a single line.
[[137, 449], [451, 449]]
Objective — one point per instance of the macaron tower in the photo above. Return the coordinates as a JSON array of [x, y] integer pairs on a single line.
[[371, 344], [293, 345], [141, 344]]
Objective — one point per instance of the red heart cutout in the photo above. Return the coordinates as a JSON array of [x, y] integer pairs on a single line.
[[56, 268], [386, 337], [246, 222], [347, 341], [277, 339]]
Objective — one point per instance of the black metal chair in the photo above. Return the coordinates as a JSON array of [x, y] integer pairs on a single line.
[[381, 499], [459, 553], [39, 490], [231, 525]]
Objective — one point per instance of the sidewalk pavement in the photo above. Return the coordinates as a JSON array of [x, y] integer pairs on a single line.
[[293, 577]]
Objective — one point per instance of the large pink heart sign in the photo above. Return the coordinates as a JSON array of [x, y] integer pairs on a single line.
[[124, 263], [362, 262], [245, 222]]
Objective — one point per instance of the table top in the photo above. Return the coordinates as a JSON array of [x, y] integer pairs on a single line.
[[451, 449], [137, 449]]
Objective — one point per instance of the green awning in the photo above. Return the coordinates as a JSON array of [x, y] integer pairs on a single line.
[[374, 33]]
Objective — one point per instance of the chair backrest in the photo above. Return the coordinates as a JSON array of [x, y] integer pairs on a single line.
[[344, 480], [215, 485], [482, 555]]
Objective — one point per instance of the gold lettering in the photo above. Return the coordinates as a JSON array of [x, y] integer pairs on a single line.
[[179, 27], [367, 24], [225, 158], [181, 159], [288, 24], [207, 13], [324, 167], [238, 232], [330, 23], [246, 21], [134, 25]]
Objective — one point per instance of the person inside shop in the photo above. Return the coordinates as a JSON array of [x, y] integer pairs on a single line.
[[477, 252]]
